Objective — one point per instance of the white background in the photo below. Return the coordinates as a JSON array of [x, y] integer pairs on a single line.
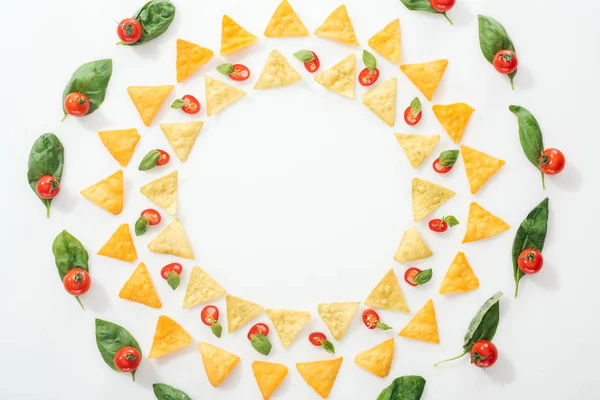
[[298, 196]]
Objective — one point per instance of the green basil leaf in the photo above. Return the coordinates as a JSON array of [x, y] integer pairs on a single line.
[[369, 60], [419, 5], [155, 17], [92, 80], [69, 253], [450, 220], [304, 55], [149, 161], [328, 346], [261, 344], [141, 225], [483, 326], [173, 280], [530, 136], [415, 106], [383, 327], [216, 329], [47, 157], [178, 103], [448, 158], [408, 387], [110, 338], [492, 39], [423, 276], [225, 69], [163, 391]]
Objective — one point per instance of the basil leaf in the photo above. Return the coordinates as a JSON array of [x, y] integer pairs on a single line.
[[216, 329], [149, 161], [304, 55], [423, 276], [408, 387], [450, 220], [369, 60], [423, 5], [90, 79], [69, 253], [173, 280], [155, 17], [448, 158], [484, 324], [531, 234], [178, 103], [141, 225], [225, 69], [383, 327], [163, 391], [530, 136], [261, 344], [110, 338], [492, 39], [47, 157], [415, 106], [328, 346]]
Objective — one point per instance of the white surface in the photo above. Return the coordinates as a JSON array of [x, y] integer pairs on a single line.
[[298, 196]]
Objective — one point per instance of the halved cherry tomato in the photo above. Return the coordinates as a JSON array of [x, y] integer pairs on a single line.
[[152, 216], [129, 30], [127, 359], [409, 275], [552, 161], [173, 267], [506, 62], [209, 315], [77, 104], [77, 281], [530, 261], [437, 167], [259, 328], [484, 354], [240, 72], [371, 320], [47, 187], [314, 65], [368, 77], [317, 339], [192, 105], [163, 159], [438, 225], [442, 5], [410, 118]]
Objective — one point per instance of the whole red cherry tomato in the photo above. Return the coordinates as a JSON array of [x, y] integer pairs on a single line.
[[47, 187], [77, 104], [506, 62], [552, 161], [152, 216], [530, 261], [127, 359], [259, 328], [442, 5], [484, 354], [371, 320], [77, 281], [163, 159], [129, 30]]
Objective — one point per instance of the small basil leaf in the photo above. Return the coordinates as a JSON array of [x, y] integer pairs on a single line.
[[92, 80], [225, 69], [448, 158], [408, 387], [166, 392], [530, 136], [216, 329], [492, 39], [110, 338], [141, 226], [369, 60], [423, 276], [328, 346], [261, 344], [415, 106], [178, 103], [149, 161], [419, 5], [451, 220], [173, 280], [383, 327], [155, 17], [69, 253], [304, 55], [47, 157]]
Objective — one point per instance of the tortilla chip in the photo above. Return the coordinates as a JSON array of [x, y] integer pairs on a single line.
[[108, 193], [337, 317], [218, 363], [338, 27], [139, 288], [277, 72], [427, 197], [427, 76], [454, 118], [234, 37], [386, 42], [423, 326], [148, 99], [163, 192], [201, 288], [182, 136], [288, 324], [340, 77], [417, 147], [190, 57], [378, 359], [460, 276], [320, 375], [382, 101], [172, 240], [120, 245], [388, 295], [285, 22], [219, 95], [169, 336], [483, 224], [412, 247], [268, 376], [120, 144], [240, 312], [479, 166]]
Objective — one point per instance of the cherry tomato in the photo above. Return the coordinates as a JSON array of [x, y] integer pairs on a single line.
[[368, 77], [77, 104], [370, 318], [152, 216], [258, 328], [438, 225], [437, 167], [552, 161], [410, 118], [173, 267], [313, 66], [506, 62], [317, 339], [409, 276], [240, 72], [127, 359], [163, 159], [47, 187], [484, 354], [530, 261], [442, 5], [129, 30], [192, 105], [77, 281], [209, 315]]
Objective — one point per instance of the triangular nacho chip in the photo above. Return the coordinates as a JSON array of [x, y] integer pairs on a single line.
[[240, 312], [182, 136], [108, 193], [148, 99], [483, 224], [417, 147], [479, 166], [412, 247], [218, 363], [190, 57], [234, 37], [459, 277], [277, 72], [139, 288], [427, 197], [168, 337], [120, 245], [219, 95], [288, 324], [268, 376], [320, 375], [340, 77], [382, 101], [337, 317], [378, 359], [427, 76], [163, 192], [120, 143], [172, 240], [423, 326], [338, 27], [387, 41], [454, 118], [285, 22], [387, 294], [201, 288]]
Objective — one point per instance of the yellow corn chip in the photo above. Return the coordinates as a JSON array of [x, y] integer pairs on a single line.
[[120, 245], [234, 37], [182, 136], [340, 77], [120, 144], [277, 72], [172, 240], [320, 375], [337, 317], [454, 118], [417, 147], [285, 22], [268, 376], [387, 41], [483, 224], [427, 197], [423, 326], [338, 27], [377, 360], [218, 363], [148, 99], [382, 101], [190, 57], [163, 192], [460, 276], [139, 288], [427, 76], [240, 312], [288, 324], [108, 193], [412, 247], [219, 95], [201, 288], [387, 294], [479, 166], [169, 336]]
